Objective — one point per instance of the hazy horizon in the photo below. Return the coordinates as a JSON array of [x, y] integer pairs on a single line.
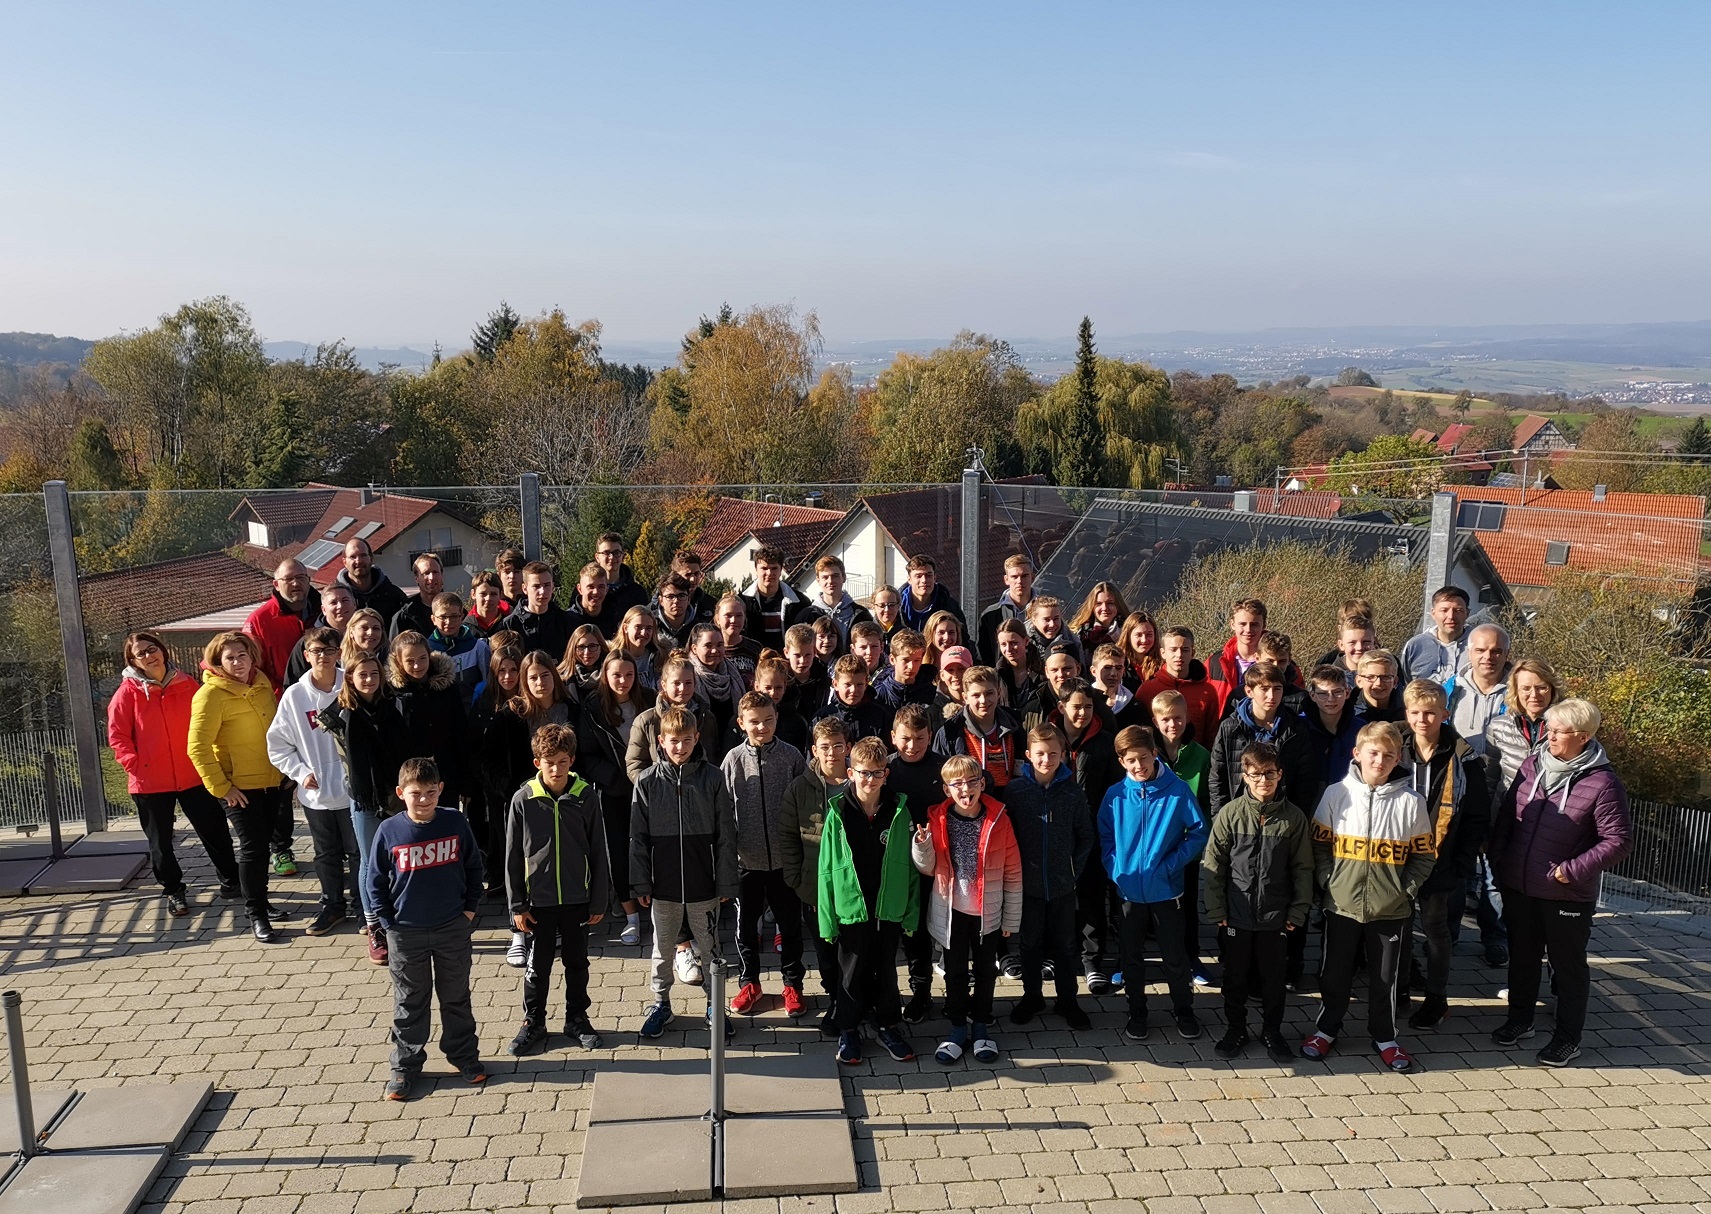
[[387, 174]]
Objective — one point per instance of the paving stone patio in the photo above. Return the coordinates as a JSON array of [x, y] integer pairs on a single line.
[[293, 1038]]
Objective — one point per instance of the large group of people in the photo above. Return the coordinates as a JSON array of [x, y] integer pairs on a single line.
[[1034, 795]]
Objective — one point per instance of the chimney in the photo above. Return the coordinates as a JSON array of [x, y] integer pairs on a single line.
[[366, 495], [1242, 501], [1599, 492], [814, 497]]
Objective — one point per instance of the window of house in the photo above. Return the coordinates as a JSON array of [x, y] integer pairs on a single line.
[[1556, 552], [258, 534], [345, 520]]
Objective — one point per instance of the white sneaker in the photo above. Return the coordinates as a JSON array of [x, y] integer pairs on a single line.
[[632, 933], [517, 956], [687, 967]]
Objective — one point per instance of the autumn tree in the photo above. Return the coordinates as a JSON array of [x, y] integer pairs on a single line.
[[1393, 465], [929, 410], [1609, 451], [1134, 421]]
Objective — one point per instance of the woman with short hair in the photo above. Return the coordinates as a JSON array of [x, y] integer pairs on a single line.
[[1563, 822]]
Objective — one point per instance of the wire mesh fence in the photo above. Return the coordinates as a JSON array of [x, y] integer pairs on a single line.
[[1669, 865]]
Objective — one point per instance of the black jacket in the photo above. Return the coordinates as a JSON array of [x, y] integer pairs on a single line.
[[437, 725], [413, 616], [600, 751], [1458, 801], [919, 784], [869, 719], [1303, 778], [952, 739], [791, 609], [555, 848], [374, 743], [1054, 831], [626, 592], [1093, 759], [549, 631], [385, 595], [683, 834], [611, 615]]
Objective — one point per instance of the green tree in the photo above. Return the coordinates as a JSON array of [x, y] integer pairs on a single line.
[[1135, 420], [1463, 403], [1393, 465], [1354, 377], [929, 410], [430, 425], [341, 416], [278, 461], [1080, 454], [93, 461], [1696, 439], [499, 327], [1607, 454]]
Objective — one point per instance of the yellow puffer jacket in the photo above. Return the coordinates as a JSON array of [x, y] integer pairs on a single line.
[[228, 733]]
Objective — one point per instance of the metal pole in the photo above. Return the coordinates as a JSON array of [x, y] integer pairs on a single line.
[[14, 1003], [50, 794], [1440, 550], [968, 587], [79, 692], [716, 1055], [530, 486]]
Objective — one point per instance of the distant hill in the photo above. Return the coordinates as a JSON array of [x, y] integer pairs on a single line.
[[28, 349]]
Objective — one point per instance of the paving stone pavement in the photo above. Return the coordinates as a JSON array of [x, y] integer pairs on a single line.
[[293, 1038]]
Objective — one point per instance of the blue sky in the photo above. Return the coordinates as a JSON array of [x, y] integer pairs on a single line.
[[387, 173]]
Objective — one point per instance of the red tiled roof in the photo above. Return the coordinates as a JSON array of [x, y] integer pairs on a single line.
[[734, 518], [287, 508], [394, 513], [929, 521], [1423, 435], [1452, 437], [1529, 429], [1307, 503], [1649, 535], [147, 596], [796, 540]]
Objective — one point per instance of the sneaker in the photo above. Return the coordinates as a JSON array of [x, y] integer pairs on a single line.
[[939, 964], [474, 1074], [896, 1044], [1277, 1046], [324, 923], [1317, 1047], [919, 1007], [1027, 1007], [730, 1025], [398, 1087], [1560, 1052], [794, 1006], [849, 1047], [686, 966], [517, 953], [1512, 1034], [1433, 1009], [828, 1025], [1116, 982], [378, 954], [747, 1002], [1010, 966], [529, 1038], [1395, 1057], [1200, 980], [284, 865], [1497, 956], [263, 930], [985, 1049], [951, 1049], [659, 1016], [1048, 972], [177, 906], [585, 1034], [1098, 983], [1072, 1013], [231, 893], [1231, 1044], [1187, 1026], [632, 933], [1135, 1030]]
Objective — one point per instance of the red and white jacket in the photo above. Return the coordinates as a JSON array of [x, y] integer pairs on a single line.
[[997, 890]]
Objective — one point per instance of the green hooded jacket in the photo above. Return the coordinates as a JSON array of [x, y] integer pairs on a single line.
[[841, 899]]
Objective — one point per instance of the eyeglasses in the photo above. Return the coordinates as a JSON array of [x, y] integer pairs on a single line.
[[1263, 777], [145, 651], [672, 598], [869, 775], [319, 651], [1330, 693], [967, 782], [610, 552], [582, 646]]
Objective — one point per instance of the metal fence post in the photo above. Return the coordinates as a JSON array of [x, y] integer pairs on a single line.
[[79, 693], [1440, 550], [968, 588], [530, 487], [27, 1145], [715, 979]]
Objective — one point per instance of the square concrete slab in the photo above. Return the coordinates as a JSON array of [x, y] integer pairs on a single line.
[[26, 847], [653, 1091], [785, 1156], [16, 876], [784, 1083], [110, 843], [45, 1105], [156, 1114], [89, 874], [630, 1165], [92, 1182]]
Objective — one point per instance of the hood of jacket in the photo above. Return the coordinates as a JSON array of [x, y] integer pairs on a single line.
[[146, 686], [220, 681], [442, 673]]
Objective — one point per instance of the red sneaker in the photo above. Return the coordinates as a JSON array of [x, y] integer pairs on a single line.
[[747, 1000], [793, 1005], [377, 946]]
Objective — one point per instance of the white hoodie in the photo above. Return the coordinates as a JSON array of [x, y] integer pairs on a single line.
[[299, 750]]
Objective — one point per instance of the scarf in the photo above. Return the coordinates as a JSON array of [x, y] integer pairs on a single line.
[[1555, 773], [713, 685]]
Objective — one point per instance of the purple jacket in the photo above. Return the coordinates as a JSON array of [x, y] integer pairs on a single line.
[[1586, 828]]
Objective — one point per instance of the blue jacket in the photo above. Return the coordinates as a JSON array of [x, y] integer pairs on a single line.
[[1149, 831]]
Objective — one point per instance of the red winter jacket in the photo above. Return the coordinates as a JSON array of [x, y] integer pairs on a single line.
[[276, 628], [1205, 698], [148, 727]]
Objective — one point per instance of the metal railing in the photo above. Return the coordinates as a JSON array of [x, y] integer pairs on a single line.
[[1669, 865]]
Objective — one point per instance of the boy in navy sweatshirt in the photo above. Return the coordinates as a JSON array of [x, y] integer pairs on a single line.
[[424, 883]]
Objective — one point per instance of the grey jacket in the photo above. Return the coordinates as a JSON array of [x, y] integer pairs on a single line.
[[1473, 710], [759, 780], [805, 808], [683, 834]]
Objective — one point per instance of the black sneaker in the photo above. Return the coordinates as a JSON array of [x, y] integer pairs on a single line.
[[1497, 956], [1277, 1047], [231, 893], [263, 930], [398, 1087], [1512, 1034], [585, 1033], [474, 1074], [278, 913], [1072, 1014], [1231, 1043], [1135, 1030], [895, 1044], [177, 906], [919, 1007], [1433, 1009], [529, 1038], [1560, 1052], [828, 1025], [324, 923], [1187, 1026], [1027, 1007]]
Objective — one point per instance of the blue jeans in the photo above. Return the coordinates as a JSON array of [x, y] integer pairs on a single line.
[[1483, 896], [365, 822]]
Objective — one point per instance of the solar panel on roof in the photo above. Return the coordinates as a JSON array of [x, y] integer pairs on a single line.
[[319, 553], [344, 521]]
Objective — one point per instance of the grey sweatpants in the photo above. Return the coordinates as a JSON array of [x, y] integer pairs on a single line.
[[426, 962], [669, 918]]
